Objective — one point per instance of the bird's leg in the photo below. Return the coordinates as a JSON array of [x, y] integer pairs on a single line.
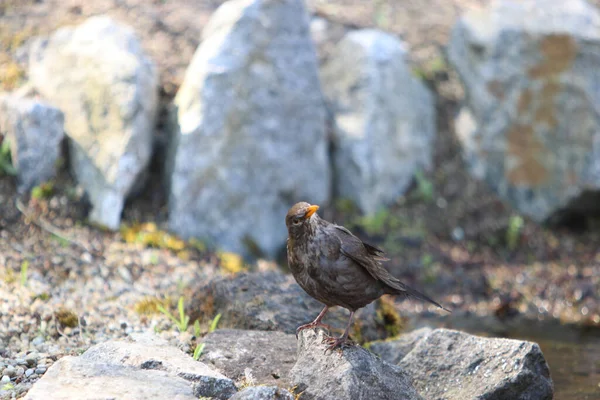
[[342, 340], [315, 323]]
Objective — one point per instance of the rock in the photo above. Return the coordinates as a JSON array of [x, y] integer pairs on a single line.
[[384, 119], [455, 365], [145, 369], [75, 378], [250, 134], [529, 127], [395, 350], [325, 34], [9, 371], [353, 373], [32, 358], [263, 393], [268, 356], [110, 106], [34, 130], [273, 301]]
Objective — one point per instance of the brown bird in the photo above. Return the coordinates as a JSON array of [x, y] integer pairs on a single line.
[[337, 268]]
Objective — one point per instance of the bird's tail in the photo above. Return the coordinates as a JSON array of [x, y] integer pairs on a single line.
[[400, 288]]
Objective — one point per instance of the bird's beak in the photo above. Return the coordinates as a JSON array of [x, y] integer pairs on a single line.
[[310, 211]]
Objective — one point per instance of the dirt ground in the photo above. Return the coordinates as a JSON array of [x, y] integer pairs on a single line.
[[450, 235]]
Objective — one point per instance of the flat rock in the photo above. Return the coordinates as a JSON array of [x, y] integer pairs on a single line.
[[267, 356], [383, 118], [34, 130], [263, 393], [73, 378], [147, 368], [273, 301], [110, 106], [353, 373], [447, 364], [529, 127], [248, 129]]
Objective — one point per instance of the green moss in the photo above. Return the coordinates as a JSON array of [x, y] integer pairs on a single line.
[[67, 318], [43, 191], [389, 317], [149, 305]]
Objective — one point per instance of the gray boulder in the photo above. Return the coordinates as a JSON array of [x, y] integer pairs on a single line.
[[249, 138], [448, 364], [147, 368], [393, 351], [272, 301], [267, 356], [34, 130], [529, 127], [384, 119], [98, 75], [263, 393], [353, 373]]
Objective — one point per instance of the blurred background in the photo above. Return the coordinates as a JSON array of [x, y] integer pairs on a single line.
[[461, 136]]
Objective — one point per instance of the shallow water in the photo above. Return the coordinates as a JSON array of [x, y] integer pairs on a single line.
[[574, 359]]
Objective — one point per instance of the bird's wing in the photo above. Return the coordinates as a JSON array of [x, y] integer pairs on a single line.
[[369, 257]]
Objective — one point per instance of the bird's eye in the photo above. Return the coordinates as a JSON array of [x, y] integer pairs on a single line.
[[297, 221]]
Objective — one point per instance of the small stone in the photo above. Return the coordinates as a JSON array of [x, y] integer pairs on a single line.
[[20, 371], [21, 361], [40, 370], [5, 379], [38, 341], [9, 371], [29, 372], [458, 234], [86, 258], [32, 358]]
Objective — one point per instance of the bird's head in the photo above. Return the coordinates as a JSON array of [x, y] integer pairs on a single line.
[[300, 219]]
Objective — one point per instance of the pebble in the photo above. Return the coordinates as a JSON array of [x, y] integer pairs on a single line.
[[20, 371], [38, 341], [21, 361], [32, 358], [5, 379], [40, 370], [29, 372], [9, 371]]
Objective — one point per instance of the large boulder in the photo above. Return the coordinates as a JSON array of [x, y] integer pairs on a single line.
[[383, 119], [529, 127], [34, 130], [274, 301], [98, 75], [249, 138], [455, 365], [352, 373], [147, 368]]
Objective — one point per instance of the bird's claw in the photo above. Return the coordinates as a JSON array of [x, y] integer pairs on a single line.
[[333, 343], [312, 325]]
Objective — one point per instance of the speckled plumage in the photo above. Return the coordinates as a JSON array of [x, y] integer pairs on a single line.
[[335, 267]]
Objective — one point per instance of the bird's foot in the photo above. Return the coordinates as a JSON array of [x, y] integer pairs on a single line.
[[312, 325], [334, 343]]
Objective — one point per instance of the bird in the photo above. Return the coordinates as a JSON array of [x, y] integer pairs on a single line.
[[337, 268]]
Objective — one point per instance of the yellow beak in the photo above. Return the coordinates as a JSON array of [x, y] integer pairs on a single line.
[[310, 211]]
